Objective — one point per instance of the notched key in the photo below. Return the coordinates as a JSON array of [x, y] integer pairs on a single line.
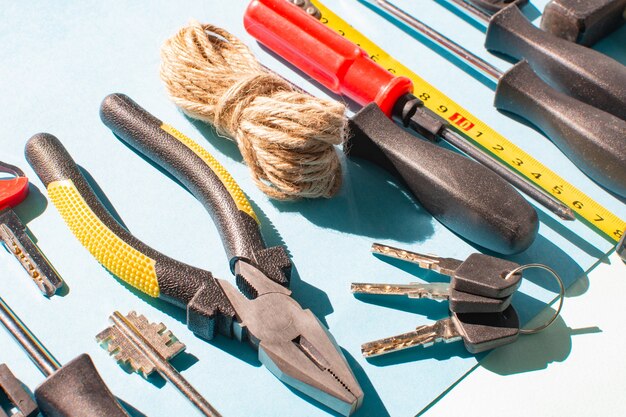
[[120, 346], [459, 302], [16, 240], [19, 399], [479, 332], [479, 274]]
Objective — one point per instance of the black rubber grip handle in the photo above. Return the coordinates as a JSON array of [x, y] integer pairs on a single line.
[[77, 390], [583, 21], [580, 72], [120, 252], [594, 140], [466, 197], [209, 182], [493, 6]]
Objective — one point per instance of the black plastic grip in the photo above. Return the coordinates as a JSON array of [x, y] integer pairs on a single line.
[[583, 21], [77, 390], [466, 197], [185, 286], [581, 72], [594, 140], [239, 231], [493, 6]]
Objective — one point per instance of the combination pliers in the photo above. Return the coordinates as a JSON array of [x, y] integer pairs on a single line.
[[291, 341]]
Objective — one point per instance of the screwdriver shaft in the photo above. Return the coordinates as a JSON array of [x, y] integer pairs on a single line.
[[472, 11], [37, 352], [163, 366], [479, 64], [522, 184]]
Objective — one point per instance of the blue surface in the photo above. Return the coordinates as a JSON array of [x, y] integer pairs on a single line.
[[60, 60]]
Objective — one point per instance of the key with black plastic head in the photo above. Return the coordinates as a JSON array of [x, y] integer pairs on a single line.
[[479, 332], [458, 301], [479, 274]]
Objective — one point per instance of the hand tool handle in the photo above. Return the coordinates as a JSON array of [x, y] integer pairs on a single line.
[[204, 176], [77, 390], [584, 22], [13, 190], [594, 140], [324, 55], [467, 198], [120, 252], [581, 72]]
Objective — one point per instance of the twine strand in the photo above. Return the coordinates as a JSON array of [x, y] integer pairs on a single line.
[[285, 136]]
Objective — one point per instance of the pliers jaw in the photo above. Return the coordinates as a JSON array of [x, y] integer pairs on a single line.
[[292, 343]]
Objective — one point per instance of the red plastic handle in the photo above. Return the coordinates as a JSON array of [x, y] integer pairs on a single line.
[[13, 190], [322, 54]]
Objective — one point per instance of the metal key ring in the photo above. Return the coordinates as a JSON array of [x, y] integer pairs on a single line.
[[11, 169], [561, 294]]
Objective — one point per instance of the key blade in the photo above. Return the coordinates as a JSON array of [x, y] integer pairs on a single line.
[[441, 331], [445, 266], [436, 291], [124, 351], [16, 240]]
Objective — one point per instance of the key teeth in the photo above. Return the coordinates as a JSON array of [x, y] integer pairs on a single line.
[[124, 352]]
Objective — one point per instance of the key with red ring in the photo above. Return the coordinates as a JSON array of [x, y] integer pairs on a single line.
[[13, 232]]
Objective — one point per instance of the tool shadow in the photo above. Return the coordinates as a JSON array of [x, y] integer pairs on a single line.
[[355, 209], [613, 45]]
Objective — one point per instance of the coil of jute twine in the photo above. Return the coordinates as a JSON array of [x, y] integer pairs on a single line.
[[285, 136]]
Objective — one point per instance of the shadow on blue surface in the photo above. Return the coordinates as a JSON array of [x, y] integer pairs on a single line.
[[354, 208], [529, 10], [31, 208], [539, 352], [130, 409], [612, 45]]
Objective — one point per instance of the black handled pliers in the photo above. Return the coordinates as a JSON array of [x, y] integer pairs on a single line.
[[291, 341]]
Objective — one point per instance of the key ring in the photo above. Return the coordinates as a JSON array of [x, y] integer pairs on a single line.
[[561, 294]]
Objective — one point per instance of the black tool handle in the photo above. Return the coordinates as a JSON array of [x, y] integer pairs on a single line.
[[465, 196], [583, 21], [581, 72], [120, 252], [204, 176], [493, 6], [77, 390], [594, 140]]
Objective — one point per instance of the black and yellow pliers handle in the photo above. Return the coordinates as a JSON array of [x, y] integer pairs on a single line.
[[131, 260]]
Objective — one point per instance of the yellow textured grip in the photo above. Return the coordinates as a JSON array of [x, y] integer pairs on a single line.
[[113, 253], [233, 188]]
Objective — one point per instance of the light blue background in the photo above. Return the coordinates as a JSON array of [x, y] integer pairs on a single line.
[[59, 60]]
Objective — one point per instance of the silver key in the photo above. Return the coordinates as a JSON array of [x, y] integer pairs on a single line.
[[147, 347], [479, 332], [479, 274], [459, 302], [14, 237]]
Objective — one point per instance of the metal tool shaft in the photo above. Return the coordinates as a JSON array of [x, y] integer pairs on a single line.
[[472, 11], [37, 352], [162, 365], [522, 184], [479, 64]]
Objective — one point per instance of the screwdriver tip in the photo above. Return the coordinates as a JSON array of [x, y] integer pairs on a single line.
[[566, 213]]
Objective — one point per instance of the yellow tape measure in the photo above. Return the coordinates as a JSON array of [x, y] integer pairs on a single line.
[[588, 210]]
